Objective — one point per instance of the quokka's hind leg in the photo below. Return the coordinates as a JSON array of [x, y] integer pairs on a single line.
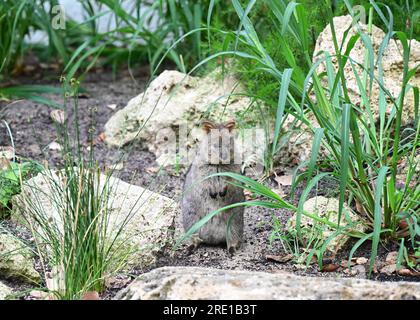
[[233, 244], [194, 243], [234, 235]]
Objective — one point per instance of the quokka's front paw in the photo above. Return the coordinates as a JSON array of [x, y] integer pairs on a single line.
[[213, 193], [223, 192]]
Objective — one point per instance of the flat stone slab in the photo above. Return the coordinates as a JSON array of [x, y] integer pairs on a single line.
[[192, 283]]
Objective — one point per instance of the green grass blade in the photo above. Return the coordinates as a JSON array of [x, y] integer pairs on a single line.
[[30, 92], [209, 15], [316, 145], [290, 9], [377, 223], [344, 162], [284, 89], [197, 226]]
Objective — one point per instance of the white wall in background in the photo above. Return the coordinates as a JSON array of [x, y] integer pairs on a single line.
[[74, 10]]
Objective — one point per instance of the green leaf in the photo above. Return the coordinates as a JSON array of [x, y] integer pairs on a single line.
[[209, 14], [377, 223], [344, 162], [31, 92], [284, 89]]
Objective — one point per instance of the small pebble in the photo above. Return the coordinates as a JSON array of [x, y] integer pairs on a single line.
[[54, 146], [112, 106], [361, 260]]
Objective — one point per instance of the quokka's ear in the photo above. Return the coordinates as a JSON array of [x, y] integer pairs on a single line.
[[207, 125], [230, 125]]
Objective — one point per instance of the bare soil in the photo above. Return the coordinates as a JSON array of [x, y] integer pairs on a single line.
[[33, 130]]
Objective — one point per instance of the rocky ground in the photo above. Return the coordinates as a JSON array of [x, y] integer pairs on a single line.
[[184, 283], [33, 132]]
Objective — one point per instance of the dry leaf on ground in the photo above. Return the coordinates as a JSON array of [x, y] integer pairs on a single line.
[[408, 273], [391, 257], [152, 170], [331, 267], [285, 180], [280, 259], [91, 295]]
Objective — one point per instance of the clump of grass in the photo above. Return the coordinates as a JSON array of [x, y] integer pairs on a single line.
[[78, 246]]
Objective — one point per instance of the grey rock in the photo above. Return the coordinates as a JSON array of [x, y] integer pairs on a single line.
[[191, 283], [174, 104], [392, 63], [17, 260], [300, 142], [5, 291]]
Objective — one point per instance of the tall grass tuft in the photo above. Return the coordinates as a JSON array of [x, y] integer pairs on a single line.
[[77, 243]]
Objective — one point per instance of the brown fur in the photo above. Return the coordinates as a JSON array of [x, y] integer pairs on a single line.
[[202, 197]]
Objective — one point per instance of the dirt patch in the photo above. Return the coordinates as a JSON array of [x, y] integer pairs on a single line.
[[33, 130]]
